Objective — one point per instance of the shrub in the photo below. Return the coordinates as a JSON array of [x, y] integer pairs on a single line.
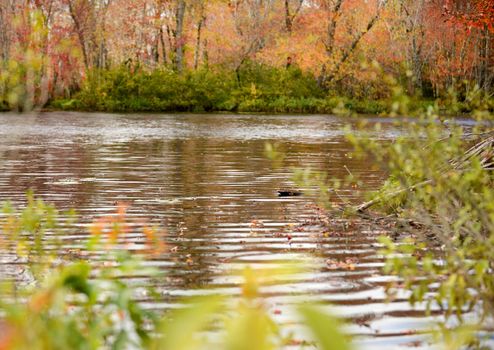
[[257, 88], [440, 180], [253, 88]]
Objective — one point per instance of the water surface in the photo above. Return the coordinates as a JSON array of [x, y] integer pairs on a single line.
[[206, 179]]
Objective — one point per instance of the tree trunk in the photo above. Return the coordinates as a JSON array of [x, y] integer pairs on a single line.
[[179, 44], [331, 29], [485, 57], [198, 42], [329, 42], [288, 17], [4, 30], [79, 28], [417, 81], [205, 54], [170, 37], [163, 46]]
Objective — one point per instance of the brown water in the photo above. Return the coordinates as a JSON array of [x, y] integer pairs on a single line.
[[206, 178]]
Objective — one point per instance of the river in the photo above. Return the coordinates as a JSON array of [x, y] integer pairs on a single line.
[[206, 178]]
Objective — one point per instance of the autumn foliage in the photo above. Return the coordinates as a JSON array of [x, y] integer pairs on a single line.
[[429, 46]]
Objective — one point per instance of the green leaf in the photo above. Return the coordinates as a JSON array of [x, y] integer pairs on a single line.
[[76, 278], [251, 328], [180, 330], [325, 329]]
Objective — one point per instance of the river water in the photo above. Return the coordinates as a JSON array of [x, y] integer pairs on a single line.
[[207, 180]]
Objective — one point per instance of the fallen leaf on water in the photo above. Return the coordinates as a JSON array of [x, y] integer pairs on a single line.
[[347, 264], [414, 344], [256, 224], [189, 260]]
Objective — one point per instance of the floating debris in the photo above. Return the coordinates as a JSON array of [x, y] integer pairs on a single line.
[[289, 193]]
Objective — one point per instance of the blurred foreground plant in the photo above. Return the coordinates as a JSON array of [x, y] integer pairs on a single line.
[[76, 299], [440, 190], [85, 300]]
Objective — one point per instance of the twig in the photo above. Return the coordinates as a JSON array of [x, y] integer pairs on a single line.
[[348, 171], [483, 149], [364, 206]]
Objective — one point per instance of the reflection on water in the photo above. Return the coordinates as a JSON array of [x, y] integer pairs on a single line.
[[205, 178]]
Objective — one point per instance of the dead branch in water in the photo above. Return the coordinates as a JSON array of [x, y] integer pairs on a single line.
[[364, 206], [483, 149]]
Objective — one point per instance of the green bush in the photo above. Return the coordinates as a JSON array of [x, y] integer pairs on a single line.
[[441, 181], [253, 88], [256, 88], [127, 90]]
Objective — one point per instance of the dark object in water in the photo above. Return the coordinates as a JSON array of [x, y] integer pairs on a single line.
[[289, 193]]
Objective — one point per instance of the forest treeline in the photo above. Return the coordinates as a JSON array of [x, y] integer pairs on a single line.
[[61, 49]]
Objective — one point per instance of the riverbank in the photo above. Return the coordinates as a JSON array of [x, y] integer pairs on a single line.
[[281, 105], [253, 89]]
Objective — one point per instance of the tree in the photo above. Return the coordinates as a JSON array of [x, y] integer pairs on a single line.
[[338, 55], [412, 14], [6, 10], [200, 12], [477, 15], [291, 14], [89, 18], [179, 35]]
